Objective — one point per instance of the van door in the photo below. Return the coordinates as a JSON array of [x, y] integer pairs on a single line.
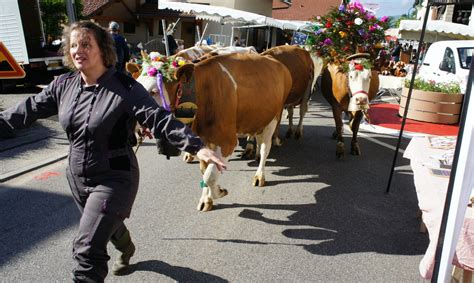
[[448, 63]]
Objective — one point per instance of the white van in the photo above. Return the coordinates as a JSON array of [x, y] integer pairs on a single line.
[[448, 60]]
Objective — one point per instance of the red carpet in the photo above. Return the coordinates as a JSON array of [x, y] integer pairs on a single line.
[[386, 115]]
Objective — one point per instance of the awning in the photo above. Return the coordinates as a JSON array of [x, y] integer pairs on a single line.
[[226, 15], [435, 30]]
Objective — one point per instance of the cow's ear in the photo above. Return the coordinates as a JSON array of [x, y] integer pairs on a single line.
[[184, 73], [132, 67]]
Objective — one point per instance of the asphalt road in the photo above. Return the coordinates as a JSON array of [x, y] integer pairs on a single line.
[[317, 219]]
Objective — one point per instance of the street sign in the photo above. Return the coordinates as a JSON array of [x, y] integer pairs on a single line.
[[9, 68]]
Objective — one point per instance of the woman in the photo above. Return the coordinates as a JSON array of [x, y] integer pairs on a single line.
[[98, 107]]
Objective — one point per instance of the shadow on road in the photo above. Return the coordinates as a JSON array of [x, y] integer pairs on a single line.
[[178, 273], [351, 212], [29, 216]]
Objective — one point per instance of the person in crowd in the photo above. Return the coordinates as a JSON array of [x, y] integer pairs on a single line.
[[98, 107], [173, 46], [236, 41], [121, 47], [397, 49]]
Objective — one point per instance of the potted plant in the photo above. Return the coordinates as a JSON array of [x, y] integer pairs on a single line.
[[434, 101]]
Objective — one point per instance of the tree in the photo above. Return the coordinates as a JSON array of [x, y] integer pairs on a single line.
[[54, 15]]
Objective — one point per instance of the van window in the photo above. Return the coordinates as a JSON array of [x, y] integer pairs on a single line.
[[447, 64], [465, 57]]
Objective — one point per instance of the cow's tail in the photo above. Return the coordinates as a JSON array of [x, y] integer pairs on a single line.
[[318, 65]]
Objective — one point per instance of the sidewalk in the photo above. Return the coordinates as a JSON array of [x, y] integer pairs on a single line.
[[43, 143]]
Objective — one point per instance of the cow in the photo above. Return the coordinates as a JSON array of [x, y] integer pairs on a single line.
[[299, 63], [235, 94], [349, 91]]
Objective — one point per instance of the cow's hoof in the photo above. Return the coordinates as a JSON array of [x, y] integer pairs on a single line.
[[205, 205], [340, 150], [247, 154], [355, 150], [276, 141], [222, 192], [258, 181], [188, 157], [290, 134], [298, 135]]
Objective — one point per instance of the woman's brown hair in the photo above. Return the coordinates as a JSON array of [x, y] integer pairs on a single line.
[[102, 37]]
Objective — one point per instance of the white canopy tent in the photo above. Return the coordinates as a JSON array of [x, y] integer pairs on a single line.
[[435, 30], [226, 15]]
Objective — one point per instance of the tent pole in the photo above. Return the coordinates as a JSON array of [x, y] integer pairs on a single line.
[[412, 81], [167, 47]]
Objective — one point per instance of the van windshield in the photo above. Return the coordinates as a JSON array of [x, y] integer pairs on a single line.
[[465, 56]]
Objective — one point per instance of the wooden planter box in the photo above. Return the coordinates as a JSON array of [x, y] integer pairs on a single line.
[[432, 107]]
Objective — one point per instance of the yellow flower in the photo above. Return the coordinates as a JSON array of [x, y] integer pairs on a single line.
[[181, 63], [378, 45], [342, 34]]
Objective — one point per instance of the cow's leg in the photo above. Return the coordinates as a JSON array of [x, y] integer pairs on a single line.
[[303, 110], [337, 113], [249, 148], [264, 142], [276, 133], [210, 189], [355, 150], [291, 132]]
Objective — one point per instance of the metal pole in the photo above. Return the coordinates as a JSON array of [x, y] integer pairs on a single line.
[[167, 47], [198, 34], [71, 14], [412, 81], [203, 33]]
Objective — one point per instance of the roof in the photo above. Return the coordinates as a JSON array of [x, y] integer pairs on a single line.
[[435, 30], [303, 10], [92, 6]]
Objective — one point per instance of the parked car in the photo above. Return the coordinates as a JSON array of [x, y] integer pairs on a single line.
[[448, 60]]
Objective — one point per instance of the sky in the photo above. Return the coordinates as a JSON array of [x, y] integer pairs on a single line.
[[390, 7]]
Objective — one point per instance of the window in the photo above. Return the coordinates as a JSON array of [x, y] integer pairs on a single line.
[[128, 27], [465, 57], [447, 64]]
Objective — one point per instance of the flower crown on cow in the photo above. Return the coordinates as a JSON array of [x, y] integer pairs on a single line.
[[155, 63], [357, 65], [345, 30]]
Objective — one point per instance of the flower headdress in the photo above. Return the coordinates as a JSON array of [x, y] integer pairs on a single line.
[[155, 63], [357, 65], [343, 30]]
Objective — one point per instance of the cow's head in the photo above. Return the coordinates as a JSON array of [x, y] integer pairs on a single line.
[[161, 77], [359, 75]]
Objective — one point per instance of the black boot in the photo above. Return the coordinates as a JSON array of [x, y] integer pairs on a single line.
[[127, 249]]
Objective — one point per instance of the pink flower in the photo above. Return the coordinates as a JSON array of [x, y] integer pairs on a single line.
[[152, 72], [175, 64], [384, 19]]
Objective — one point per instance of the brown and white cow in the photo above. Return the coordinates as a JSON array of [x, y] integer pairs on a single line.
[[299, 63], [349, 92], [235, 94]]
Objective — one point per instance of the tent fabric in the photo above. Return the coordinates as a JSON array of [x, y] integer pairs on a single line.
[[435, 30], [226, 15]]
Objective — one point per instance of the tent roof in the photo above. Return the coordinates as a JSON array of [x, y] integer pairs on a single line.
[[226, 15], [435, 30]]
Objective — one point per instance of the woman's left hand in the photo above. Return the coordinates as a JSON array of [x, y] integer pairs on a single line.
[[208, 155]]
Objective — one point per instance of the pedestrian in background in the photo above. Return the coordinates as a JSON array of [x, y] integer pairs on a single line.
[[98, 107], [397, 49], [121, 47]]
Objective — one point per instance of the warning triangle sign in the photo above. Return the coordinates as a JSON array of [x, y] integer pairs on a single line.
[[9, 68]]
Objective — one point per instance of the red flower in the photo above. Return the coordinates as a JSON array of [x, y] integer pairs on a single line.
[[328, 24], [358, 67]]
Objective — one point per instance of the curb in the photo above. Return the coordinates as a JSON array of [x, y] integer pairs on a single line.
[[15, 173]]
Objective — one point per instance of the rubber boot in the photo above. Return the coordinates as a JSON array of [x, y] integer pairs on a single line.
[[127, 249]]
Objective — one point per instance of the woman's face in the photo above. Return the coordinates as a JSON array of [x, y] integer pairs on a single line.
[[85, 52]]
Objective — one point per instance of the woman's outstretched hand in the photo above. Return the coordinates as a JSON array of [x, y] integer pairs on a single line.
[[208, 155]]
